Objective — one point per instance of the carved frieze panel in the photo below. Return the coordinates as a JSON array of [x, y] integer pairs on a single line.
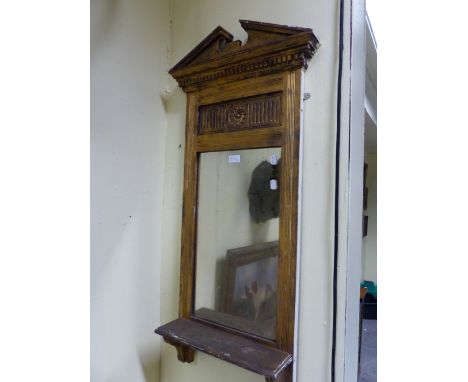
[[247, 113]]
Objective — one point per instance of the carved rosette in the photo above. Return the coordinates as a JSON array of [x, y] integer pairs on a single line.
[[236, 115]]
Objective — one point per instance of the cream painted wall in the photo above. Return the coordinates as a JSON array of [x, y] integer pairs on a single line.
[[129, 41], [369, 260], [191, 22], [137, 173]]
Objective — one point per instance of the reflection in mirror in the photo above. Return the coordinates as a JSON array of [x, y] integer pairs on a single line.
[[237, 239]]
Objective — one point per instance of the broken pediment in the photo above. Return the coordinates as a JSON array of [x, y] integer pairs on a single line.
[[269, 48]]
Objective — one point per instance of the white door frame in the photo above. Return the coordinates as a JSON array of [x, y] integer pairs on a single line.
[[350, 191]]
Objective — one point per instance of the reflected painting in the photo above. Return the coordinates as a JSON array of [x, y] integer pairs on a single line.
[[250, 289]]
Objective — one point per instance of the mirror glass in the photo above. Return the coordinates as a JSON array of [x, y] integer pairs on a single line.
[[237, 239]]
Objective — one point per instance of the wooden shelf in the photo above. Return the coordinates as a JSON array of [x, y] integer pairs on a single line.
[[265, 331], [240, 351]]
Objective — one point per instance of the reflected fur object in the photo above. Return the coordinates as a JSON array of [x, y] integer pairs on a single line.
[[263, 299], [264, 202]]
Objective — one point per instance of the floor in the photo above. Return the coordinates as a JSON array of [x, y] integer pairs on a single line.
[[368, 370]]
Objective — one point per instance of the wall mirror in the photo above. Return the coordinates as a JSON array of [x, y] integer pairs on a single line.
[[237, 239], [240, 203]]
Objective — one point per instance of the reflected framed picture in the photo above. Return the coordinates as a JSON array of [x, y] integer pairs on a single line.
[[364, 202], [365, 223], [251, 282]]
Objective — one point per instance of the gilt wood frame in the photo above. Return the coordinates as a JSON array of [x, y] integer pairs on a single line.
[[236, 81]]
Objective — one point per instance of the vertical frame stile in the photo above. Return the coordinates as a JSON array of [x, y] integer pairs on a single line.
[[189, 233], [187, 263], [288, 215]]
